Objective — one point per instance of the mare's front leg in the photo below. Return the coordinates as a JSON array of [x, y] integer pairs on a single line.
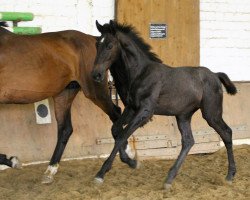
[[12, 162], [139, 118], [62, 104]]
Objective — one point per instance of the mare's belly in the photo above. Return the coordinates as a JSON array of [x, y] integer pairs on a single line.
[[26, 87], [28, 92], [23, 96]]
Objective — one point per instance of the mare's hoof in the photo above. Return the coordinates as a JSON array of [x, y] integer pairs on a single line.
[[167, 186], [16, 164], [98, 180], [47, 179]]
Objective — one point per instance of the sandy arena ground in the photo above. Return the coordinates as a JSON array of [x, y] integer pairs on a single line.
[[201, 177]]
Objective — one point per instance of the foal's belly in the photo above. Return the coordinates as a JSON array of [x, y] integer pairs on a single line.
[[173, 106]]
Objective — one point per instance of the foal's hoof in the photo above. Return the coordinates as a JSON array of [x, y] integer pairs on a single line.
[[229, 178], [138, 164], [167, 186], [229, 181], [47, 179], [16, 163], [98, 180], [134, 164]]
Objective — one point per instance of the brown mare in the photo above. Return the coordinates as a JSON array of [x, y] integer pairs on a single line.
[[55, 65]]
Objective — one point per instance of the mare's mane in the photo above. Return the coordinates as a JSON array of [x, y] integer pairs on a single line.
[[2, 29], [4, 24]]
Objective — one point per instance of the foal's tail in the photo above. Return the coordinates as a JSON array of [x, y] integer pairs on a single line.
[[230, 87]]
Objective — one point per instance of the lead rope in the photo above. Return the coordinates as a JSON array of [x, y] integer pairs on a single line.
[[112, 89]]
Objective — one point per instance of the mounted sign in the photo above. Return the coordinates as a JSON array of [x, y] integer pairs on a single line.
[[158, 30]]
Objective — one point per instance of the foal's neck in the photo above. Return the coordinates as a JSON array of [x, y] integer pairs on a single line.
[[134, 60]]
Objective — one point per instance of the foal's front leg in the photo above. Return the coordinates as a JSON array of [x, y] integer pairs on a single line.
[[187, 142], [125, 151], [138, 119]]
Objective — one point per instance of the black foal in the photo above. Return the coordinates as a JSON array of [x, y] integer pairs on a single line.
[[151, 87]]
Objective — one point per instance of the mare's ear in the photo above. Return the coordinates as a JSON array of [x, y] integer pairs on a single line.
[[99, 26], [112, 26]]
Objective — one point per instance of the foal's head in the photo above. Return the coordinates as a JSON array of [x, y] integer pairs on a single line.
[[114, 39], [107, 50]]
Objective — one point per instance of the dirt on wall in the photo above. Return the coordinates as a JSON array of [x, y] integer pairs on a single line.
[[201, 177]]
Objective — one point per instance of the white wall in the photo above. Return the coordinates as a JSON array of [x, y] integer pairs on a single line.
[[225, 37], [56, 15]]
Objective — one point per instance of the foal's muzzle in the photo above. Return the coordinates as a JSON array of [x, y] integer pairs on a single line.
[[97, 76]]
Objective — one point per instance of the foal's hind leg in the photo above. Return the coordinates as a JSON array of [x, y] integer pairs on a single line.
[[187, 142], [212, 112], [62, 104], [225, 133]]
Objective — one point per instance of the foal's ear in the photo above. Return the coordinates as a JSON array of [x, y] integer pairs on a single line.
[[112, 26], [99, 26]]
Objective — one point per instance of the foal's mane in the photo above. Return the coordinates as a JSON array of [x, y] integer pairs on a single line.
[[139, 41], [132, 33]]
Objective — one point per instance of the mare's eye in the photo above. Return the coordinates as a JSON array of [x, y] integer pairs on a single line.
[[110, 46]]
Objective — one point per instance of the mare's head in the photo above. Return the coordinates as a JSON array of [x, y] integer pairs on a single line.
[[107, 50]]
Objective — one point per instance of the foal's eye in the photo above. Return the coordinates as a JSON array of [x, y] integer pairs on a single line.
[[110, 46]]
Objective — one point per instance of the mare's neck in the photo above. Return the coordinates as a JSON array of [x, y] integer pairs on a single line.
[[4, 30]]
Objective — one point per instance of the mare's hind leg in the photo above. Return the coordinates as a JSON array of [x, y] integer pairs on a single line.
[[62, 104], [187, 142], [11, 162]]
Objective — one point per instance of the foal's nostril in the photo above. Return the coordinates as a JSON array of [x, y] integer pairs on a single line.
[[96, 76]]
